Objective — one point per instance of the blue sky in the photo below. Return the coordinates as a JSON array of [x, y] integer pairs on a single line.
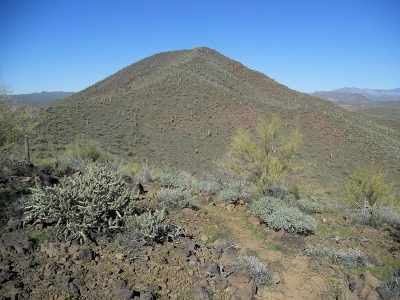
[[307, 45]]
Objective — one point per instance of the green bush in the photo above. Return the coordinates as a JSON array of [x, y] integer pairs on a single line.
[[170, 180], [95, 201], [175, 199], [310, 204], [291, 220], [229, 196]]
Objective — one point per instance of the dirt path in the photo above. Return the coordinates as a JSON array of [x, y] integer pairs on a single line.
[[293, 278]]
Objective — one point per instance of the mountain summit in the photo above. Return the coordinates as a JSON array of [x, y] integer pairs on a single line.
[[180, 109]]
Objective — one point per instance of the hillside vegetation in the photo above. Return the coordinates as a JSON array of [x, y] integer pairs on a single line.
[[179, 109]]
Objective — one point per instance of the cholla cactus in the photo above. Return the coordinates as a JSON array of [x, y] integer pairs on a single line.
[[93, 201]]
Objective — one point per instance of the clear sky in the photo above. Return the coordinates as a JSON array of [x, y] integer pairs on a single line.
[[307, 45]]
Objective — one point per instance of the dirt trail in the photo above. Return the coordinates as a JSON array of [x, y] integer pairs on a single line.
[[293, 278]]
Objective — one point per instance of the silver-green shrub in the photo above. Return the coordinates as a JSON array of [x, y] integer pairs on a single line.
[[150, 226], [264, 206], [172, 180], [310, 204], [276, 214], [95, 200], [211, 187], [229, 196], [353, 257], [175, 198], [389, 216], [257, 270], [291, 220]]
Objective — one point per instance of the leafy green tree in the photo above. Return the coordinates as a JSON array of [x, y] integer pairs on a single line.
[[263, 159]]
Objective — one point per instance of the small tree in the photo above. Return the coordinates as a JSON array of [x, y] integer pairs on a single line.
[[262, 159], [368, 189]]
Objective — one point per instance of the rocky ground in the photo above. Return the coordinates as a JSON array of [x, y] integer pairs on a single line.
[[204, 264]]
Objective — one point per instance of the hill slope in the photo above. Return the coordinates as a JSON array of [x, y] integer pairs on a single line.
[[180, 108]]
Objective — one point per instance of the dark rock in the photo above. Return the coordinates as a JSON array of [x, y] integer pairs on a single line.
[[292, 241], [25, 265], [383, 293], [229, 256], [85, 255], [14, 224], [20, 244], [198, 292], [13, 288], [210, 270], [121, 291], [7, 275]]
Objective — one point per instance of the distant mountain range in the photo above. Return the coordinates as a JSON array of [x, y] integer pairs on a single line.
[[39, 99], [359, 96]]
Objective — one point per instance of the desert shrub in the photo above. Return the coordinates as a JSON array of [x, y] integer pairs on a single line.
[[174, 198], [212, 187], [14, 207], [367, 216], [392, 286], [352, 257], [262, 159], [310, 204], [150, 226], [389, 216], [280, 193], [171, 180], [291, 220], [229, 196], [94, 201], [257, 270], [263, 207]]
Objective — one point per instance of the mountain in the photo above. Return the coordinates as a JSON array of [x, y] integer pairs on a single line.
[[40, 99], [356, 95], [179, 109]]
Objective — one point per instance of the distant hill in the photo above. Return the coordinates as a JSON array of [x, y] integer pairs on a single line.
[[179, 110], [40, 99], [358, 96]]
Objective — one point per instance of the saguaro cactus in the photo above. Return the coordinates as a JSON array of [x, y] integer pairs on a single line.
[[27, 154]]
